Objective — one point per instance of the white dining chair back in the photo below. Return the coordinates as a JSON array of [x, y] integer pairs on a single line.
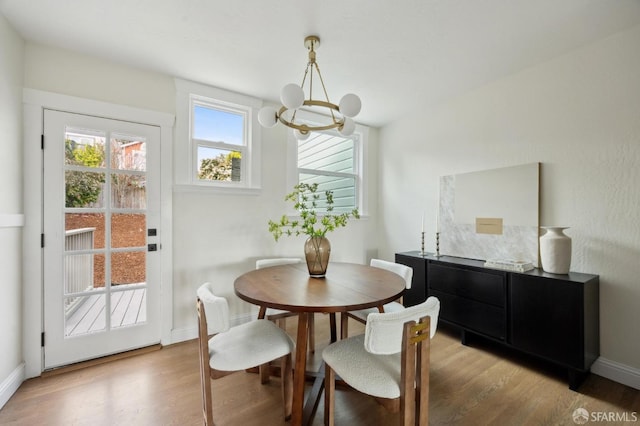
[[216, 309], [383, 331], [404, 271]]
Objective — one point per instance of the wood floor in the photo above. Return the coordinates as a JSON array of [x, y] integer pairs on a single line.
[[480, 384]]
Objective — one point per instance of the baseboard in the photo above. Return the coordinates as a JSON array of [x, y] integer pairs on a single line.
[[617, 372], [184, 334], [10, 385]]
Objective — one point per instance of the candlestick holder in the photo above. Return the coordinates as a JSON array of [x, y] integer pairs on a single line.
[[437, 244], [422, 253]]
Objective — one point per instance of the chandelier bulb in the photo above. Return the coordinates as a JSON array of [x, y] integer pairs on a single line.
[[301, 135], [292, 96], [268, 116], [347, 127], [350, 105]]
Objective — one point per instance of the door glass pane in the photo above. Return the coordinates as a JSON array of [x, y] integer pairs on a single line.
[[128, 268], [84, 314], [128, 230], [80, 273], [128, 153], [84, 148], [219, 164], [128, 191], [84, 231], [99, 279], [128, 307], [84, 189]]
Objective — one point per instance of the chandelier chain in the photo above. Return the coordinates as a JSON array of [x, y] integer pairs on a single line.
[[324, 89], [304, 78]]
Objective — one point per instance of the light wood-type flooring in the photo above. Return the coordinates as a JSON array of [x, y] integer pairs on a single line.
[[479, 384]]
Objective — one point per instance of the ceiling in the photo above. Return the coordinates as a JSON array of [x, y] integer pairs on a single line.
[[396, 55]]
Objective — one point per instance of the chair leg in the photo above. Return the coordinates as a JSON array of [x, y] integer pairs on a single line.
[[207, 404], [332, 324], [344, 326], [265, 373], [205, 370], [329, 395], [422, 380], [286, 376]]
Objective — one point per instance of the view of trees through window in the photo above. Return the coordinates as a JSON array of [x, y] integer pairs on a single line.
[[83, 188], [224, 167]]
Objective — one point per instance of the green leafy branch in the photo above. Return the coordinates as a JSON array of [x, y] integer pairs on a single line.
[[306, 200]]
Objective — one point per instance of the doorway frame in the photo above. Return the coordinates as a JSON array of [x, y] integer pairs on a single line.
[[34, 104]]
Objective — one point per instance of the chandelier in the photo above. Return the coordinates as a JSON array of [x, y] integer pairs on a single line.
[[293, 98]]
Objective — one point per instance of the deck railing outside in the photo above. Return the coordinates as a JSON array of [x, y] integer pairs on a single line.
[[78, 268]]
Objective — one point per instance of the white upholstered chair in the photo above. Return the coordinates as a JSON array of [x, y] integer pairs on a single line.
[[390, 362], [404, 271], [231, 349], [278, 315]]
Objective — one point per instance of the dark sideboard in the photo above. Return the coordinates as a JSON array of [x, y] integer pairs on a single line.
[[553, 317]]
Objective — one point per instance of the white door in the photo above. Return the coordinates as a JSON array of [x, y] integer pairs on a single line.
[[101, 236]]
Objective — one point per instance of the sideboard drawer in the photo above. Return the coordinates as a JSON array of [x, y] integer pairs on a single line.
[[482, 286], [480, 317]]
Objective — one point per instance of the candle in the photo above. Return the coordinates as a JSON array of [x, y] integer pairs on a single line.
[[438, 210], [422, 221]]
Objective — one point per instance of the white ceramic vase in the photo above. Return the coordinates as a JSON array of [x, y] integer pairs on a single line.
[[555, 250]]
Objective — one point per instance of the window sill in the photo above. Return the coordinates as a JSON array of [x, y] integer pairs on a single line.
[[209, 189], [295, 216]]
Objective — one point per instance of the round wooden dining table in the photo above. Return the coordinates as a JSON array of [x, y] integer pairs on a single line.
[[346, 287]]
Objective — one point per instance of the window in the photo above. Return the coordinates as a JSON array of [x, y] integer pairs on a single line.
[[218, 144], [330, 161], [218, 136]]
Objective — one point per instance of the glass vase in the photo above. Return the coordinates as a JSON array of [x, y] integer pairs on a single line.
[[316, 253]]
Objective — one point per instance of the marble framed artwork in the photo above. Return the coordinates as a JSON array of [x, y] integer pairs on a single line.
[[491, 214]]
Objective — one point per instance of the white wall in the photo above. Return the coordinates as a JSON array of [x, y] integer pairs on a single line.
[[578, 115], [215, 237], [11, 75], [61, 71]]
